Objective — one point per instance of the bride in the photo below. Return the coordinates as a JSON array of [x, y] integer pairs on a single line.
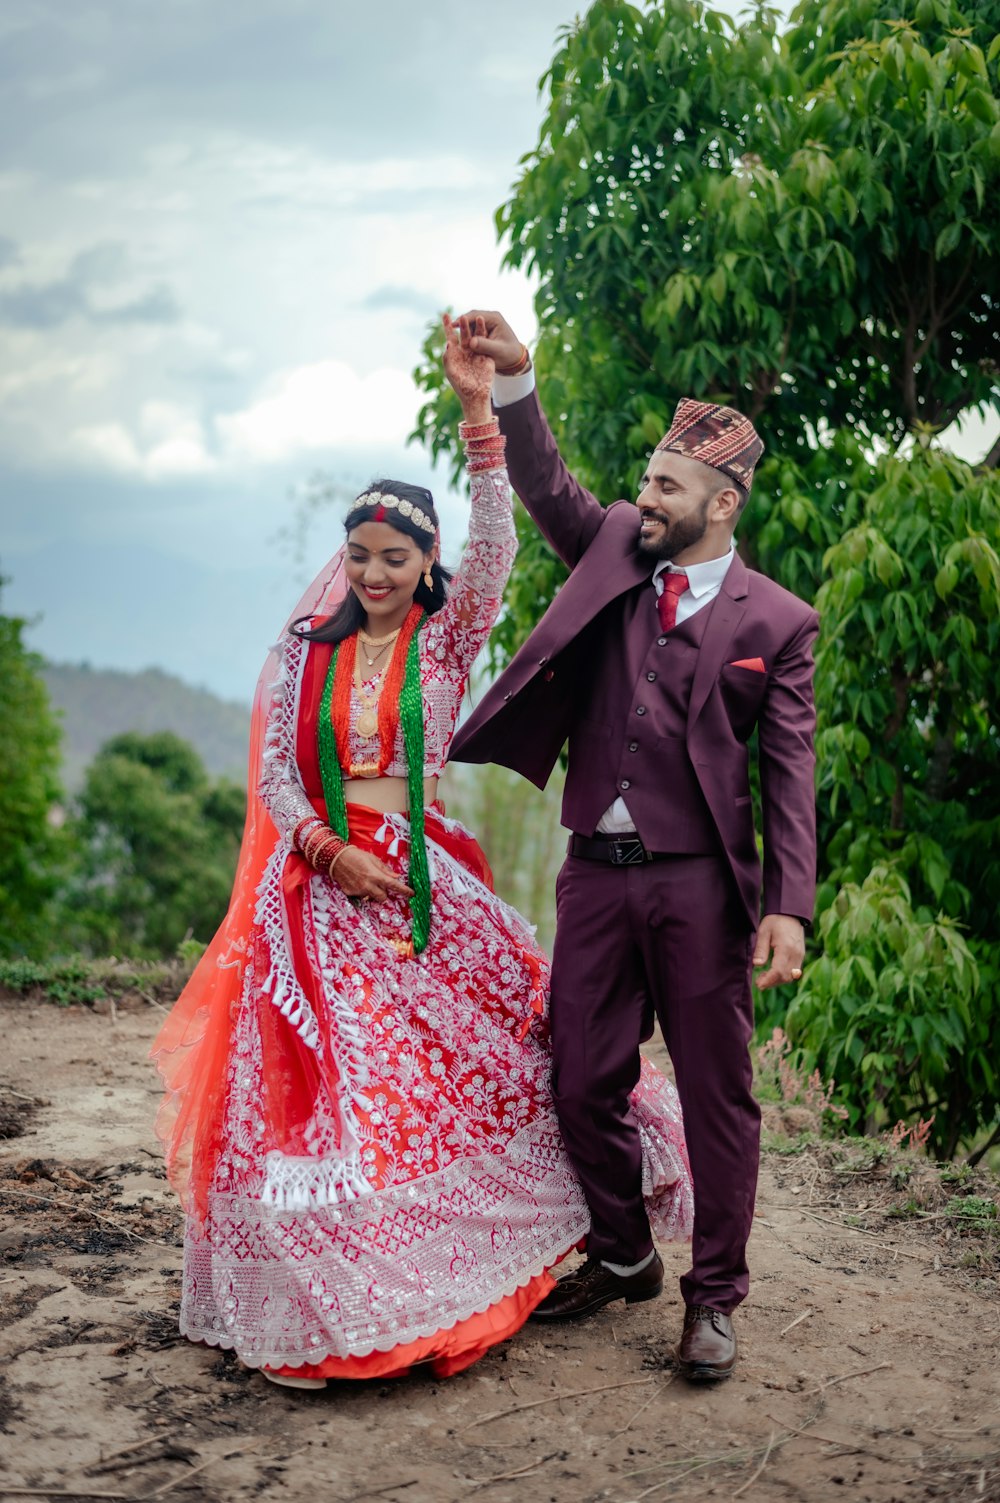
[[358, 1117]]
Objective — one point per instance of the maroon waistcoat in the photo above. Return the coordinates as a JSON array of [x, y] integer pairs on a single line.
[[628, 737]]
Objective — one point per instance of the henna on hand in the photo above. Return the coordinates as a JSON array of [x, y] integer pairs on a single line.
[[362, 875], [470, 374]]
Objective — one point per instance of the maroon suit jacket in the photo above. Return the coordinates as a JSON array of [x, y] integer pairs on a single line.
[[526, 716]]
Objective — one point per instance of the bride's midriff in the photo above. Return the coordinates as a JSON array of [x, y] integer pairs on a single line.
[[387, 795]]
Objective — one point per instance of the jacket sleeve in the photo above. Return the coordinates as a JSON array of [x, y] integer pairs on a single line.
[[786, 729], [566, 513]]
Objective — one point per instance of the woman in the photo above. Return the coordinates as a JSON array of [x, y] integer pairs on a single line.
[[358, 1115]]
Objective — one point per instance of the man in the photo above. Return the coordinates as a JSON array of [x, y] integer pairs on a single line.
[[657, 659]]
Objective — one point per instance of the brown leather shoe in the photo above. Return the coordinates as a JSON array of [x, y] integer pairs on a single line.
[[707, 1350], [592, 1286]]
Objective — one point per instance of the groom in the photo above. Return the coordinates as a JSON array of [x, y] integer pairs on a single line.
[[658, 658]]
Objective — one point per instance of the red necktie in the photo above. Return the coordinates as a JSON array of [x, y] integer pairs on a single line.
[[674, 586]]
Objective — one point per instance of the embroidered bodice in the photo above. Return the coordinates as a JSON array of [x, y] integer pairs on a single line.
[[449, 644]]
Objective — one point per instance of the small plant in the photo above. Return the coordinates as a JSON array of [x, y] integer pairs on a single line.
[[781, 1076], [189, 952], [918, 1134], [973, 1210]]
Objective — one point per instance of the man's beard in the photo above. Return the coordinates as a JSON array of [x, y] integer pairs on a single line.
[[673, 539]]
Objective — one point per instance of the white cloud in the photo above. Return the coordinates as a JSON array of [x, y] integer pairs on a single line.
[[170, 445], [321, 406]]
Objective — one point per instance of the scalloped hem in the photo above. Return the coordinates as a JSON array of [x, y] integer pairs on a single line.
[[448, 1351]]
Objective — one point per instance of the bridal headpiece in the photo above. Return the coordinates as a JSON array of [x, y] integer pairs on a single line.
[[383, 503]]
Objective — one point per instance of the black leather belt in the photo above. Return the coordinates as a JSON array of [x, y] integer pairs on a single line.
[[617, 850]]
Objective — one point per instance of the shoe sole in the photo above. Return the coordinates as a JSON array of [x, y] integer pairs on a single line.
[[541, 1318], [702, 1373]]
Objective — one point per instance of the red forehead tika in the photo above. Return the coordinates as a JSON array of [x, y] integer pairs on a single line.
[[379, 513]]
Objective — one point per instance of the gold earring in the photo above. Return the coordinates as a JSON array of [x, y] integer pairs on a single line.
[[429, 578]]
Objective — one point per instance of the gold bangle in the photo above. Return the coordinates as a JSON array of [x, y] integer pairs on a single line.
[[345, 847]]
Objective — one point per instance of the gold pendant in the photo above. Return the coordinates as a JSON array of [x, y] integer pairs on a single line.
[[367, 725]]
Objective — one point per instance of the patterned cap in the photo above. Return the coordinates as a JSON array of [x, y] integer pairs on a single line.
[[717, 436]]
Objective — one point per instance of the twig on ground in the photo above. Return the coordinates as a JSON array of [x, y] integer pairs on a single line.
[[797, 1321], [641, 1410], [58, 1492], [185, 1477], [950, 1434], [147, 998], [524, 1471], [67, 1205], [553, 1398], [9, 1090], [379, 1492], [859, 1231], [109, 1461], [844, 1377], [751, 1480]]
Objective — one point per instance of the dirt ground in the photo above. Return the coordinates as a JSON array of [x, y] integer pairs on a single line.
[[869, 1367]]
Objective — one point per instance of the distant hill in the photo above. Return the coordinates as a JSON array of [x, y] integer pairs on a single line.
[[98, 703]]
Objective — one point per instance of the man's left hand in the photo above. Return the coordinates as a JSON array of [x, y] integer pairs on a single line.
[[781, 939]]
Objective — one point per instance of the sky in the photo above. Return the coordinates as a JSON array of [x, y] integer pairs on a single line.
[[223, 230]]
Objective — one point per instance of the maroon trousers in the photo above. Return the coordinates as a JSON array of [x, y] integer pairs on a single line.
[[668, 938]]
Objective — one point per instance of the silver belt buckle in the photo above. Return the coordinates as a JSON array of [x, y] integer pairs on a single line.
[[625, 852]]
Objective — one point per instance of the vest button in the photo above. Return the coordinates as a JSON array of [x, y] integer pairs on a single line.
[[506, 696], [633, 746], [624, 784], [542, 662], [640, 709], [651, 677], [661, 641]]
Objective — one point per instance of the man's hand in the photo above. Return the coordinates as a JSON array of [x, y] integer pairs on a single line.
[[363, 875], [787, 938], [493, 336]]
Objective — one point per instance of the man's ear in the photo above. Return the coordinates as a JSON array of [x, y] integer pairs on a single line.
[[727, 505]]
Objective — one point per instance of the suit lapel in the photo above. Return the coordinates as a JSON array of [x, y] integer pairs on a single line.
[[592, 585], [727, 612]]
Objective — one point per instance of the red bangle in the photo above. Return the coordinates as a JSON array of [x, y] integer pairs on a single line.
[[304, 824], [478, 430], [315, 842]]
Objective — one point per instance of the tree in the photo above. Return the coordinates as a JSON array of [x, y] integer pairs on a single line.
[[801, 222], [29, 796], [158, 846]]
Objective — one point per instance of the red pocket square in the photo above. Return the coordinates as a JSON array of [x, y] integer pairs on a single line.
[[756, 665]]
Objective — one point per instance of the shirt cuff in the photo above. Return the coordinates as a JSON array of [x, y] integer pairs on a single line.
[[510, 389]]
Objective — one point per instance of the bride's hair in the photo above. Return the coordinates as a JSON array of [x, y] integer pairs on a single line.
[[350, 614]]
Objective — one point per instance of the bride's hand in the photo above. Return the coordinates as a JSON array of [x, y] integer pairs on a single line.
[[470, 374]]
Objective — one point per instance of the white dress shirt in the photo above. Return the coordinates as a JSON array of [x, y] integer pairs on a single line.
[[704, 583]]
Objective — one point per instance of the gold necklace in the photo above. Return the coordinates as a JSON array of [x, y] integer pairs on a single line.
[[367, 722], [369, 659], [378, 641]]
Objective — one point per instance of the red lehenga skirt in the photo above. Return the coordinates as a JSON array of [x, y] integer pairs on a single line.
[[387, 1184]]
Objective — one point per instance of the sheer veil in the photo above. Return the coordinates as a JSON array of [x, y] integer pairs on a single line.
[[190, 1051]]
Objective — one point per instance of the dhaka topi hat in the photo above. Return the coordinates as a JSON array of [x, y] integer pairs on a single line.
[[717, 436]]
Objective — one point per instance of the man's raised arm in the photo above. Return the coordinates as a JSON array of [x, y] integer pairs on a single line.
[[565, 511]]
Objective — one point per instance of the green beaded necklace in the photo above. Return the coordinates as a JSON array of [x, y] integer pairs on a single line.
[[411, 718]]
